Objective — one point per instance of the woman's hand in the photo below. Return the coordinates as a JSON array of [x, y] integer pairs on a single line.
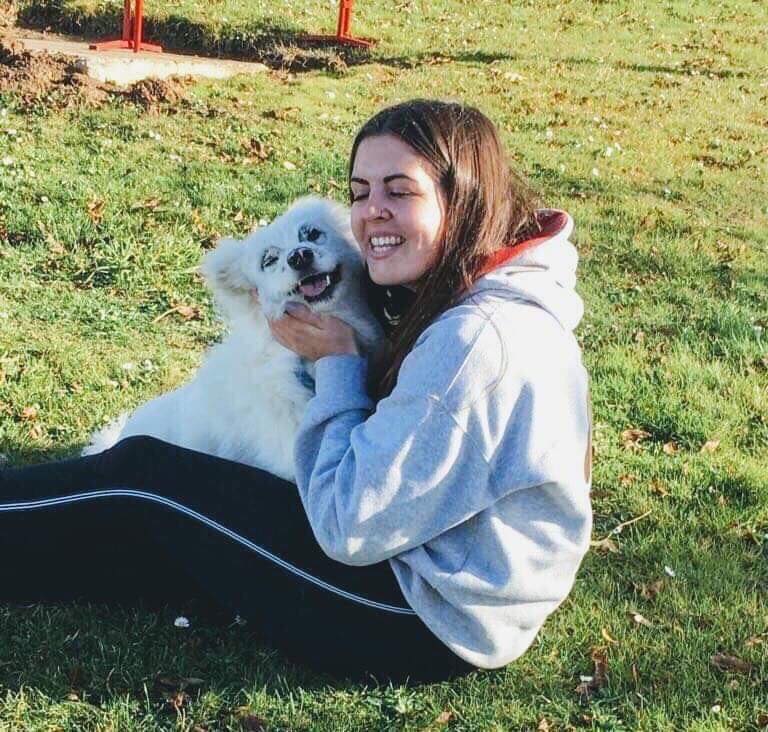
[[312, 335]]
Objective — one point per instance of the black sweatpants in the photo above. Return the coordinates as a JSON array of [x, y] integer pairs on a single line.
[[152, 522]]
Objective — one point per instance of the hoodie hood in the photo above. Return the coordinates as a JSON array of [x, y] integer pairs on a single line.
[[541, 270]]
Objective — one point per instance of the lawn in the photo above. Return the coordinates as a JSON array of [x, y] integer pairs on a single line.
[[647, 121]]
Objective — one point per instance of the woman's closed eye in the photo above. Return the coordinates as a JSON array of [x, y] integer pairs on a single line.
[[395, 194]]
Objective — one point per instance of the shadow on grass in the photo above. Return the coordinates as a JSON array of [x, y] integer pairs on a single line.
[[684, 68], [19, 457], [105, 652]]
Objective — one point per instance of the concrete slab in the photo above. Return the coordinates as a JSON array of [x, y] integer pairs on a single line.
[[125, 67]]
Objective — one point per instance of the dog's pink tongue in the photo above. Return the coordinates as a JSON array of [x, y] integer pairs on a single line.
[[314, 288]]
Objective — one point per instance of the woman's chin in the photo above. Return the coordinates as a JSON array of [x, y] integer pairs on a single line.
[[383, 275]]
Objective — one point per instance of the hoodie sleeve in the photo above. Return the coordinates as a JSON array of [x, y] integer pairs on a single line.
[[377, 482]]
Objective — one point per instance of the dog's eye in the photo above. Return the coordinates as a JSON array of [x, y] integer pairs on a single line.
[[268, 259], [309, 233]]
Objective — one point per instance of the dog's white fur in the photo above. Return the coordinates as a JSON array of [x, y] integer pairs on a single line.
[[247, 399]]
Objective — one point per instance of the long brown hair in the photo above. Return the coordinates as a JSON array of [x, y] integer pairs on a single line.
[[488, 206]]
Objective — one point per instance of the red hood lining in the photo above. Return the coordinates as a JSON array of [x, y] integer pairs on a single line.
[[551, 222]]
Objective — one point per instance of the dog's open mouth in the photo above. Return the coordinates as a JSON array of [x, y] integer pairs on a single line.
[[318, 286]]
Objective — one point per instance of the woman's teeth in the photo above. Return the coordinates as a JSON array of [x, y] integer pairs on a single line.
[[385, 242]]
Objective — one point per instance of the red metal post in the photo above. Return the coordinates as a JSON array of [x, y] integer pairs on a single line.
[[138, 22], [343, 34], [133, 28], [342, 26]]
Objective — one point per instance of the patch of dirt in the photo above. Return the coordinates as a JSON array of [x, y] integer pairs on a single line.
[[42, 77], [57, 82], [152, 94]]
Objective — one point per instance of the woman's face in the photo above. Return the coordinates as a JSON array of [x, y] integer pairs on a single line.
[[397, 210]]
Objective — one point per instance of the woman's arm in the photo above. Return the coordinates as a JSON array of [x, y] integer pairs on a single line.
[[377, 482]]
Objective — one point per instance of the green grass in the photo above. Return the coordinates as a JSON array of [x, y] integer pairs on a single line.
[[673, 235]]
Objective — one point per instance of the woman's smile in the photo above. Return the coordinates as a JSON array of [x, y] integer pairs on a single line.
[[381, 246]]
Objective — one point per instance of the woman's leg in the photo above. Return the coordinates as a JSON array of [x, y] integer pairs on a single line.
[[149, 520]]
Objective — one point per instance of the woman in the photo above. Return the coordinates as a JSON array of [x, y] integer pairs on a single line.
[[432, 532]]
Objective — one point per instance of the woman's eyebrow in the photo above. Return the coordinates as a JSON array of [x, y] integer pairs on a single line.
[[398, 175], [386, 179]]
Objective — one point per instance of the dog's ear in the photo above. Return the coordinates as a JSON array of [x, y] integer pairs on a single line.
[[223, 267]]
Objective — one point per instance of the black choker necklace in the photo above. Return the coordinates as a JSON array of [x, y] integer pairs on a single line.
[[389, 304]]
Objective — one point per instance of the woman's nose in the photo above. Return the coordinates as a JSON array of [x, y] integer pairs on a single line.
[[377, 208]]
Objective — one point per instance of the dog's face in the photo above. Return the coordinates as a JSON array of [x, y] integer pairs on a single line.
[[307, 255]]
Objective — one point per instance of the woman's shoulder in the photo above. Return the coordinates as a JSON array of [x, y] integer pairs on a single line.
[[485, 350], [491, 317]]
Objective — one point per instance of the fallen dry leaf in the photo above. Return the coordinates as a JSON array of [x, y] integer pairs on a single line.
[[640, 620], [444, 717], [257, 150], [543, 725], [658, 488], [670, 448], [187, 312], [96, 210], [607, 636], [29, 413], [282, 114], [150, 203], [649, 590], [606, 545], [710, 446], [725, 662], [36, 431], [590, 684], [627, 479], [176, 700], [632, 438], [762, 719]]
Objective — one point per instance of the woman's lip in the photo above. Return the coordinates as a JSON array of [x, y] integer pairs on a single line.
[[382, 253]]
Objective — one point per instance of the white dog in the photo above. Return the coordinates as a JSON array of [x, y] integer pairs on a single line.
[[247, 399]]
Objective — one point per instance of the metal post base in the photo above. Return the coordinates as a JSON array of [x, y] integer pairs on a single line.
[[126, 45]]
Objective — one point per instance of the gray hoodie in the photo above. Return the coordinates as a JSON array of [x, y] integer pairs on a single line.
[[470, 478]]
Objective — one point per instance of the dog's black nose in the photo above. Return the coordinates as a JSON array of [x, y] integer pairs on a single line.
[[300, 258]]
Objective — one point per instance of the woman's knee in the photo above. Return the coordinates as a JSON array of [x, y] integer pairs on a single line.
[[131, 456]]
